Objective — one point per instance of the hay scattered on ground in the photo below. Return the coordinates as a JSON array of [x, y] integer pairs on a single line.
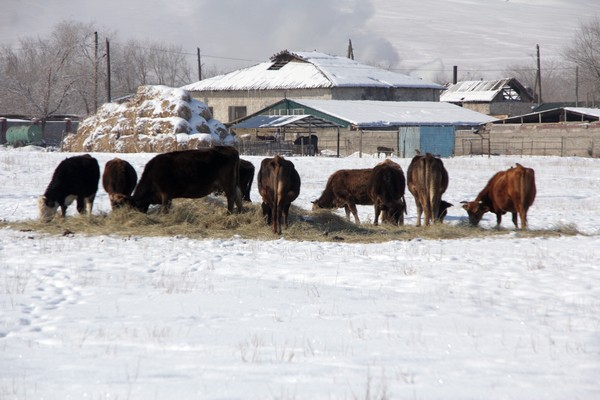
[[208, 218]]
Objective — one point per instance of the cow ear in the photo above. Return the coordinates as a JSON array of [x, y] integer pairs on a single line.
[[465, 205]]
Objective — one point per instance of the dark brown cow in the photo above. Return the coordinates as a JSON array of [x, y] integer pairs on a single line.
[[386, 190], [278, 185], [75, 178], [427, 180], [346, 188], [120, 178], [511, 191], [246, 178], [189, 174]]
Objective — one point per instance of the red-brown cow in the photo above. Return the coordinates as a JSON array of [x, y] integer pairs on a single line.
[[346, 188], [119, 178], [386, 190], [188, 174], [511, 191], [279, 186], [427, 180]]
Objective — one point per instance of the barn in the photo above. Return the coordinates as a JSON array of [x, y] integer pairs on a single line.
[[374, 127], [500, 98], [305, 75]]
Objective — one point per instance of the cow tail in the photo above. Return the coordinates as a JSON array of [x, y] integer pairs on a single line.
[[276, 213], [426, 182]]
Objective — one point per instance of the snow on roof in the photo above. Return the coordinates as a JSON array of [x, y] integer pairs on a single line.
[[483, 91], [594, 112], [309, 70], [371, 114]]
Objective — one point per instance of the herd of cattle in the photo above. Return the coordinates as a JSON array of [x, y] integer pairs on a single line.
[[197, 173]]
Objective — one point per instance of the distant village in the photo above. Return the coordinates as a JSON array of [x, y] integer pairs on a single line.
[[316, 104]]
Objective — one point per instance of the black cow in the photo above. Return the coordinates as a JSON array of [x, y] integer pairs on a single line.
[[246, 178], [75, 178], [119, 177], [305, 142], [188, 174]]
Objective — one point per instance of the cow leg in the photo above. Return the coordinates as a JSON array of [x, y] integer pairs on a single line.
[[498, 220], [419, 213], [89, 204], [354, 212], [267, 213], [286, 212], [347, 210], [377, 212], [63, 210]]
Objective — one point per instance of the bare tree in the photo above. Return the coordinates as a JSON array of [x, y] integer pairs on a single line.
[[557, 79], [584, 52]]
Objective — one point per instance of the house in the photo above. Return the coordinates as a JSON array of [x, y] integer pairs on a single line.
[[555, 115], [363, 126], [500, 98], [305, 75]]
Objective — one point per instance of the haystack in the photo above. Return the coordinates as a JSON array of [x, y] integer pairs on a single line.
[[157, 119]]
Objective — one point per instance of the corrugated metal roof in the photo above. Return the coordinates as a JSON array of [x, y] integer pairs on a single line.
[[309, 70], [381, 114], [275, 121], [473, 91]]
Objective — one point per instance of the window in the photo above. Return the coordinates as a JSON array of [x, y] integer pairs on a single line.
[[237, 112]]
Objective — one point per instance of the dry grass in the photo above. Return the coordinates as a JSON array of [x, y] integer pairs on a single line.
[[208, 218]]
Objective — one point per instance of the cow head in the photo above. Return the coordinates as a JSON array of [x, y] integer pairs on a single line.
[[443, 210], [475, 209], [118, 200], [47, 208]]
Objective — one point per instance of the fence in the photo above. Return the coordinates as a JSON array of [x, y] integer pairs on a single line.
[[562, 139]]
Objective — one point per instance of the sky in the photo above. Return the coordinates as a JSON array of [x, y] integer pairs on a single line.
[[114, 317], [424, 38]]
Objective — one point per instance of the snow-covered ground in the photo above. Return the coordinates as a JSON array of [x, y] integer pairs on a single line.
[[114, 317]]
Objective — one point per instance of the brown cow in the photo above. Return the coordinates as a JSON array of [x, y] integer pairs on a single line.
[[427, 180], [188, 174], [119, 178], [75, 178], [278, 185], [511, 191], [386, 190], [346, 188]]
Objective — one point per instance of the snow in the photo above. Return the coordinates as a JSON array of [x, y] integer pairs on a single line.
[[173, 318]]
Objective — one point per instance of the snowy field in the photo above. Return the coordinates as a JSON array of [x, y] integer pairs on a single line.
[[114, 317]]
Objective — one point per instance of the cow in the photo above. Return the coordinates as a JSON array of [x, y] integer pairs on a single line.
[[75, 178], [246, 178], [188, 174], [511, 191], [279, 185], [119, 178], [386, 189], [427, 180], [346, 188], [305, 141]]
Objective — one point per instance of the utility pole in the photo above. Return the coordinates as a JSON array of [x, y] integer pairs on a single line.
[[577, 86], [199, 65], [95, 71], [108, 94], [538, 78]]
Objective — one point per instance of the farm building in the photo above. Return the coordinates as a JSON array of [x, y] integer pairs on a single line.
[[305, 75], [367, 126], [500, 98]]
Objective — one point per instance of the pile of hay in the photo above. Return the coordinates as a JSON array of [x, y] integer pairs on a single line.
[[156, 119]]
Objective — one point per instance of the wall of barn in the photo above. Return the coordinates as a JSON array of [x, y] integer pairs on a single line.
[[559, 139], [256, 100], [253, 100]]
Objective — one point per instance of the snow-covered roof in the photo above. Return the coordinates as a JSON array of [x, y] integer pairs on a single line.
[[380, 114], [554, 115], [483, 91], [309, 70]]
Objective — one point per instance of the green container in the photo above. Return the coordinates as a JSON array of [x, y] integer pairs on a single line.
[[23, 135]]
